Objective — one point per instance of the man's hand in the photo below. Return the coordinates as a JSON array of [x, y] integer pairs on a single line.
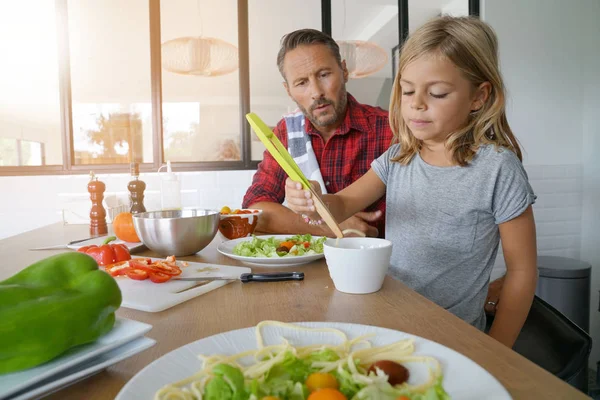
[[359, 221], [493, 297]]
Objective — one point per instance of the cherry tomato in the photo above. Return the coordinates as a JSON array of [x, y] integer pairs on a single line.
[[327, 394], [319, 380], [397, 374]]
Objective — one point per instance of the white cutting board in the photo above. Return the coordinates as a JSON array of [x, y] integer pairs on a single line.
[[154, 297]]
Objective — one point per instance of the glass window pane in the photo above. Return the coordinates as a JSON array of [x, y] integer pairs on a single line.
[[268, 98], [110, 81], [375, 23], [32, 153], [29, 89], [420, 11], [201, 113], [9, 156]]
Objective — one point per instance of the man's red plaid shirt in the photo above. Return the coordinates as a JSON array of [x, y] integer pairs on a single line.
[[364, 135]]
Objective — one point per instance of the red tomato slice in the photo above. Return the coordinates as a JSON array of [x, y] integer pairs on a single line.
[[137, 274], [159, 277]]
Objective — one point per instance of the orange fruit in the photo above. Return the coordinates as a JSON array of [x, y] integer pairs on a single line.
[[124, 229]]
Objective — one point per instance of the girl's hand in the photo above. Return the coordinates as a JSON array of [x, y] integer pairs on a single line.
[[299, 199]]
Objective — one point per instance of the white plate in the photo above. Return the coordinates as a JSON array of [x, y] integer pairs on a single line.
[[124, 331], [463, 378], [226, 248], [85, 370], [99, 240]]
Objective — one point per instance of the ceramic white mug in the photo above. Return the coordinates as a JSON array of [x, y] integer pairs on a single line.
[[358, 265]]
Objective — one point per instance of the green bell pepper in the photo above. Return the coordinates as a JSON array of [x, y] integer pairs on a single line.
[[55, 304]]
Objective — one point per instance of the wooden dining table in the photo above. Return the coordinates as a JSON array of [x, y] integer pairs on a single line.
[[238, 305]]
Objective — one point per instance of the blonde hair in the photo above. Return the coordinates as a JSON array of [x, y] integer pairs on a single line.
[[471, 45]]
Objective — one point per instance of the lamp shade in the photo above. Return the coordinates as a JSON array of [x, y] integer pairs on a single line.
[[204, 56], [362, 58]]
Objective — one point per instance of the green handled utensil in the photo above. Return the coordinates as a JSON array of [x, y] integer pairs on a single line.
[[285, 160]]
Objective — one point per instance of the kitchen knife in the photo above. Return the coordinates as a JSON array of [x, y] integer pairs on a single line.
[[249, 277], [62, 246]]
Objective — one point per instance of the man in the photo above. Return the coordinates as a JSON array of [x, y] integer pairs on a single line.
[[334, 138]]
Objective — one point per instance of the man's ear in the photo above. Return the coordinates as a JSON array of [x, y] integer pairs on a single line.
[[346, 74], [287, 88], [482, 94]]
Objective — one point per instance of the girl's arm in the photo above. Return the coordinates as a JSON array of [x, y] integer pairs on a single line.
[[342, 205], [520, 253]]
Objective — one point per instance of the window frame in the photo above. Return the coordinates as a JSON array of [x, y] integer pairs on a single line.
[[65, 99]]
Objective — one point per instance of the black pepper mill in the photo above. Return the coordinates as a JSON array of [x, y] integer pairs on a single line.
[[136, 190], [98, 224]]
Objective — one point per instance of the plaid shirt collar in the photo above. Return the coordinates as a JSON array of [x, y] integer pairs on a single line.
[[354, 115]]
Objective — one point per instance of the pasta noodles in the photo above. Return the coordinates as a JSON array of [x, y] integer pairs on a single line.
[[350, 357]]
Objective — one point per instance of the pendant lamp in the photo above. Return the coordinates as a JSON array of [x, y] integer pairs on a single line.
[[362, 58], [201, 56]]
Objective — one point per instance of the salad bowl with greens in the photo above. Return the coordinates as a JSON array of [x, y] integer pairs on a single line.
[[274, 250]]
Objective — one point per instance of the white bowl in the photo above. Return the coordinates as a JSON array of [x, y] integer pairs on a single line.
[[358, 265]]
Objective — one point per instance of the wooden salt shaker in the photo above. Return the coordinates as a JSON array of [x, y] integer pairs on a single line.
[[98, 224]]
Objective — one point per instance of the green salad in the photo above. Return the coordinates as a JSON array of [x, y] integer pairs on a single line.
[[293, 246], [291, 379]]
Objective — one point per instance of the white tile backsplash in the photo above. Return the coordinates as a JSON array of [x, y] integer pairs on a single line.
[[42, 200]]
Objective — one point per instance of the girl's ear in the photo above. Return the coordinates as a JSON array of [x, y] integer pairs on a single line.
[[482, 93]]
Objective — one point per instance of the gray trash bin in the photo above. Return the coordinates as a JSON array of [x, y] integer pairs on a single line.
[[565, 284]]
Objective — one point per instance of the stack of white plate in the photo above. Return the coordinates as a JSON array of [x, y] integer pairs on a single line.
[[123, 341]]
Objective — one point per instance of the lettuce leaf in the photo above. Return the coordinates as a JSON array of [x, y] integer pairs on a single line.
[[259, 247]]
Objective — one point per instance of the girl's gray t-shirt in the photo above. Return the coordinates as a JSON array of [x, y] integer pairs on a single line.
[[443, 222]]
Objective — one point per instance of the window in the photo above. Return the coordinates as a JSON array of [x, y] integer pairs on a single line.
[[201, 114], [17, 152], [268, 98], [110, 81], [29, 88], [87, 82], [374, 23]]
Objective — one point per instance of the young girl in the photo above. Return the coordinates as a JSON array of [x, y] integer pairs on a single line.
[[454, 182]]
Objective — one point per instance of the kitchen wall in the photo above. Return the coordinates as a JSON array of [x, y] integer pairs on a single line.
[[590, 232], [29, 202], [550, 58]]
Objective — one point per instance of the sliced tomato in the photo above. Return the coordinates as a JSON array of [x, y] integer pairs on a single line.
[[137, 274], [159, 277]]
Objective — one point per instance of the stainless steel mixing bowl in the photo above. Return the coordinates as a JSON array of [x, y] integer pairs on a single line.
[[177, 232]]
